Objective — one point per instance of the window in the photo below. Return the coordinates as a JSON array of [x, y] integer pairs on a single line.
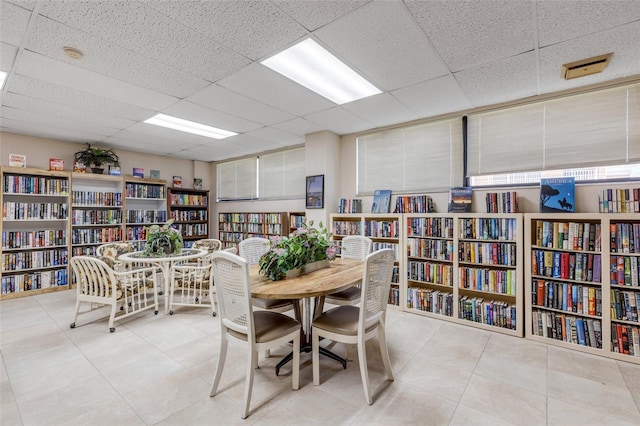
[[419, 158], [580, 135], [282, 175], [237, 180]]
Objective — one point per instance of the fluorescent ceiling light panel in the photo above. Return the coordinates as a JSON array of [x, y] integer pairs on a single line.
[[3, 77], [187, 126], [309, 64]]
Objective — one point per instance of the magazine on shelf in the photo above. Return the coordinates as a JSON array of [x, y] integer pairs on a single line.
[[557, 195], [460, 199], [177, 181], [381, 201], [154, 174], [197, 183], [17, 160], [138, 172], [56, 164]]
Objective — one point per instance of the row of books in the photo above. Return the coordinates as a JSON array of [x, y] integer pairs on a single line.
[[88, 198], [136, 233], [569, 235], [436, 273], [394, 296], [232, 227], [34, 259], [84, 251], [346, 227], [435, 227], [146, 216], [232, 217], [187, 215], [613, 200], [273, 228], [568, 328], [33, 211], [494, 312], [193, 229], [188, 200], [414, 204], [428, 300], [96, 217], [568, 266], [625, 339], [567, 297], [504, 254], [350, 205], [297, 221], [489, 228], [34, 281], [34, 239], [625, 305], [20, 184], [376, 245], [381, 228], [502, 202], [625, 270], [144, 190], [96, 235], [625, 237], [430, 249], [488, 280]]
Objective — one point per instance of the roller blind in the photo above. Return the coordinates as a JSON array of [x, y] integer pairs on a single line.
[[282, 175], [419, 158], [592, 129], [237, 179]]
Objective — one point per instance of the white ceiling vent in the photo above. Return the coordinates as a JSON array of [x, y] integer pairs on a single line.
[[586, 67]]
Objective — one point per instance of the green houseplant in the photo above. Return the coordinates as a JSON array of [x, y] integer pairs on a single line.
[[303, 246], [162, 240], [96, 157]]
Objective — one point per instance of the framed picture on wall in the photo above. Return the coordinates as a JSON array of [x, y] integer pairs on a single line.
[[315, 192]]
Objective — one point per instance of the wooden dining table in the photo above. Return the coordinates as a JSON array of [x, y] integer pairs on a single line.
[[340, 275]]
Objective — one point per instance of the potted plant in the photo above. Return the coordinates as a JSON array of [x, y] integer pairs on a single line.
[[95, 157], [163, 240]]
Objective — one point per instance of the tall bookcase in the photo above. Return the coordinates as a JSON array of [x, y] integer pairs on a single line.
[[97, 212], [235, 227], [146, 204], [296, 219], [582, 276], [384, 231], [190, 210], [35, 231]]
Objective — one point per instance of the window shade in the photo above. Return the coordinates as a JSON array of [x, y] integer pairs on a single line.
[[237, 179], [282, 175], [419, 158], [598, 128]]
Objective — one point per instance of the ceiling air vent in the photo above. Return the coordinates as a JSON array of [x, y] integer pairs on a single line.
[[586, 67]]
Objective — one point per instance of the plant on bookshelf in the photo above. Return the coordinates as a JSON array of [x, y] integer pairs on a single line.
[[96, 157]]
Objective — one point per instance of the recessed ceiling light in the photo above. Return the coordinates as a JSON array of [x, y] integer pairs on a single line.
[[309, 64], [3, 78], [72, 52], [187, 126]]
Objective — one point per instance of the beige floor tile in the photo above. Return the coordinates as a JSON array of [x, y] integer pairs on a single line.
[[195, 352], [31, 314], [20, 305], [219, 410], [631, 375], [9, 413], [118, 412], [562, 413], [21, 342], [467, 416], [526, 374], [509, 403], [580, 364]]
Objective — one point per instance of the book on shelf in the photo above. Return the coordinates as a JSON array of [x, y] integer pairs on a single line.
[[56, 164], [177, 181], [414, 204], [557, 195], [350, 205], [154, 174], [612, 200], [502, 202], [17, 160], [79, 167], [460, 199], [197, 183], [381, 201], [138, 172]]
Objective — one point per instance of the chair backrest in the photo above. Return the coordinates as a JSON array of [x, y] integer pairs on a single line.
[[209, 244], [231, 275], [355, 247], [232, 250], [93, 276], [113, 250], [253, 248], [376, 281]]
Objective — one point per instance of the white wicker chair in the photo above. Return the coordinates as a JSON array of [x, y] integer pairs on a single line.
[[253, 248], [192, 285], [262, 330], [232, 250], [352, 247], [356, 325], [209, 244], [99, 284]]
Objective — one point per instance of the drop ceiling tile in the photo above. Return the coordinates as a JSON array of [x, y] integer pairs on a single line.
[[49, 37], [434, 97], [48, 131], [299, 127], [169, 136], [261, 83], [276, 136], [340, 121], [500, 81], [43, 68], [313, 14], [623, 41], [252, 28], [7, 56], [138, 146], [13, 23], [383, 42], [475, 32], [382, 110], [579, 18], [200, 114], [25, 4], [75, 98], [140, 29], [223, 99]]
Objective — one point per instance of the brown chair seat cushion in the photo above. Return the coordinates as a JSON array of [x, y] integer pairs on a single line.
[[270, 326], [350, 294], [343, 320], [270, 303]]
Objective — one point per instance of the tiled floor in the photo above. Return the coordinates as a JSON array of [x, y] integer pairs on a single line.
[[158, 370]]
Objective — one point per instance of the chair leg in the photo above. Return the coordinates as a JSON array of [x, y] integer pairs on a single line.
[[248, 383], [296, 362], [384, 351], [315, 356], [112, 317], [362, 358], [267, 353], [221, 358], [75, 315]]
